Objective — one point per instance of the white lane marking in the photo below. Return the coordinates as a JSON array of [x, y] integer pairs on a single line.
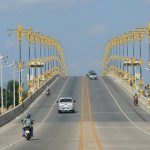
[[133, 123], [41, 121], [52, 105]]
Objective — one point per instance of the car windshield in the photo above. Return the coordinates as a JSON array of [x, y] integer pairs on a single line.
[[93, 73], [66, 100]]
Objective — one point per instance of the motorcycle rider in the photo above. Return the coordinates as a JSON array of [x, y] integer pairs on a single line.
[[47, 91], [135, 98], [27, 122]]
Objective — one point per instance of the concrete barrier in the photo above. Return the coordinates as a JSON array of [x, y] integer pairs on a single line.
[[13, 113], [143, 101]]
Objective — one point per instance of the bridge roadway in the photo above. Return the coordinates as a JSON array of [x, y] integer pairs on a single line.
[[105, 118]]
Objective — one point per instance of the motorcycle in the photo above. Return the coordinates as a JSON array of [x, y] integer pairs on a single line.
[[135, 102], [27, 133], [47, 92]]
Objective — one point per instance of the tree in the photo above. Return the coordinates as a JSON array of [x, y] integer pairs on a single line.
[[10, 93]]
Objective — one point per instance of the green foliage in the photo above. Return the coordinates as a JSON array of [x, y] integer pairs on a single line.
[[10, 92]]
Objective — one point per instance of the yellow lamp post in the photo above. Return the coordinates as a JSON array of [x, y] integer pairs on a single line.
[[114, 44], [148, 36], [49, 42], [45, 40], [34, 39], [51, 56], [40, 40], [28, 37], [140, 34], [133, 38], [123, 44], [20, 34], [116, 62], [119, 52], [47, 58], [133, 35], [126, 41]]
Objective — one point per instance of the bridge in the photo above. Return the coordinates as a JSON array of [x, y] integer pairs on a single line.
[[105, 116]]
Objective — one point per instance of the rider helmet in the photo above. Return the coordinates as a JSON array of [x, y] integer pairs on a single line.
[[28, 115]]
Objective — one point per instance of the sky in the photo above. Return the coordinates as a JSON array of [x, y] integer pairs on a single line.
[[82, 26]]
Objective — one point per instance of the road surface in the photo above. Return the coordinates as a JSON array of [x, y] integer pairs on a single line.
[[105, 118]]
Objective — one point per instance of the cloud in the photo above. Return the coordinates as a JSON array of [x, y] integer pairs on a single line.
[[19, 4], [96, 30]]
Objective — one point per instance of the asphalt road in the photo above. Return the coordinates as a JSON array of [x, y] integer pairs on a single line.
[[105, 118]]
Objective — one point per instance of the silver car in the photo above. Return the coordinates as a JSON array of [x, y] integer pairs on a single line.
[[93, 76], [66, 104]]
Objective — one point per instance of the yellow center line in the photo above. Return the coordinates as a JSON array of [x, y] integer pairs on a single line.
[[89, 139], [81, 125], [91, 120]]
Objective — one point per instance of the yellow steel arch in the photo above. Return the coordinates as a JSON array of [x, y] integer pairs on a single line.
[[116, 59], [53, 62]]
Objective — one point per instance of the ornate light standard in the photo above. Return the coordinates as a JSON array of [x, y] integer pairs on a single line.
[[40, 40], [116, 53], [114, 44], [45, 60], [53, 57], [49, 57], [119, 56], [148, 36], [20, 34], [123, 47], [127, 36], [51, 54], [34, 39], [133, 38], [29, 39], [110, 54], [140, 34]]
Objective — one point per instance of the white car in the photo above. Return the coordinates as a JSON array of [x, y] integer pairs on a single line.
[[93, 76], [66, 104], [90, 72]]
